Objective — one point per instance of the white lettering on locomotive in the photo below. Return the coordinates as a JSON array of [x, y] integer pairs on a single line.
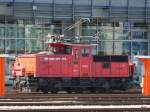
[[52, 59], [64, 59], [46, 59], [57, 58], [85, 66]]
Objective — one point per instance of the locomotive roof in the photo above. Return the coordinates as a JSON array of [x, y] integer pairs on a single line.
[[59, 44]]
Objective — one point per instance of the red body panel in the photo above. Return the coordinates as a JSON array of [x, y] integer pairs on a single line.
[[54, 66], [42, 65], [79, 63], [100, 71], [85, 66], [120, 69], [66, 66], [55, 63]]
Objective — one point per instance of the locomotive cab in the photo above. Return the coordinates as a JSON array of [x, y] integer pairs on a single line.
[[82, 60], [72, 60], [60, 48]]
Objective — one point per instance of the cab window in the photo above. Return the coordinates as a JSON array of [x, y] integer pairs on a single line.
[[76, 56], [68, 50], [85, 52]]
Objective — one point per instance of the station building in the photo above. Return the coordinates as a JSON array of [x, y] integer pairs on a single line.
[[122, 26]]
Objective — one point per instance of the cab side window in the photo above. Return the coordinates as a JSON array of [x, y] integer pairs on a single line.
[[85, 52], [68, 50], [76, 56]]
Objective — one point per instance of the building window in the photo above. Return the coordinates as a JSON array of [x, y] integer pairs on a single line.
[[11, 31], [106, 34], [122, 48], [122, 34], [20, 46], [33, 45], [139, 35], [140, 25], [106, 48], [21, 32], [2, 31], [88, 30], [140, 48], [2, 46], [10, 46]]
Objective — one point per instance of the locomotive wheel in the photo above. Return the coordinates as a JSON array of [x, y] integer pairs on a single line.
[[68, 90], [125, 86], [107, 86], [54, 91], [43, 86], [78, 90], [45, 91], [92, 90]]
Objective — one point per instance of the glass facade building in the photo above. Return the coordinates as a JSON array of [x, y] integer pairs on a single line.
[[122, 26]]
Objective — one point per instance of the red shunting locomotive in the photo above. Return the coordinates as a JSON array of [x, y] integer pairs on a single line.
[[71, 68]]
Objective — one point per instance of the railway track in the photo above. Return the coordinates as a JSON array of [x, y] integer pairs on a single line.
[[105, 102], [99, 98], [79, 108]]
